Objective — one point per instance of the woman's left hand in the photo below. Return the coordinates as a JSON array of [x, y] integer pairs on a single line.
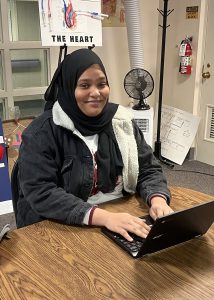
[[159, 208]]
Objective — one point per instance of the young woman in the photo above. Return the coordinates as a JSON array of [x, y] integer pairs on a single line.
[[84, 150]]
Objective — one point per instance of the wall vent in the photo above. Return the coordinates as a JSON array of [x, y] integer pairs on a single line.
[[143, 124], [210, 124], [144, 120]]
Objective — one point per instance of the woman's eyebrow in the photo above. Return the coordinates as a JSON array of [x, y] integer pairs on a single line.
[[84, 79], [89, 79]]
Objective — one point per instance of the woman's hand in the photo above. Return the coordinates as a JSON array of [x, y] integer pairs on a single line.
[[121, 223], [159, 208]]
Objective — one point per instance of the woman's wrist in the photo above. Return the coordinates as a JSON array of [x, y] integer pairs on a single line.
[[158, 200], [155, 196], [99, 217]]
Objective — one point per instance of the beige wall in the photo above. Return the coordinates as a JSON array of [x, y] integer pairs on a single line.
[[114, 51], [150, 24], [179, 89]]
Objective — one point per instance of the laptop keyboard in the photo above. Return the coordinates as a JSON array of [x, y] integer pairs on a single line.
[[134, 246]]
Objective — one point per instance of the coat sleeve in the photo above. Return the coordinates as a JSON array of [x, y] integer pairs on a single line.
[[39, 181], [151, 179]]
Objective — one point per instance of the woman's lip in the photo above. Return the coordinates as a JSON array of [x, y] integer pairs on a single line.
[[94, 104], [93, 101]]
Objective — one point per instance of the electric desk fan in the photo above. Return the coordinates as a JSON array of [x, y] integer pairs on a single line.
[[139, 84]]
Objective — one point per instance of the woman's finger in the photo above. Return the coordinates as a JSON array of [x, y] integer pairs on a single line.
[[125, 234]]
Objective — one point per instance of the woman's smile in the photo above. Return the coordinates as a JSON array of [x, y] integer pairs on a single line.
[[92, 91]]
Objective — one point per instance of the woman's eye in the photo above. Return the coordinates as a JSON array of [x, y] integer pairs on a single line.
[[102, 84], [84, 85]]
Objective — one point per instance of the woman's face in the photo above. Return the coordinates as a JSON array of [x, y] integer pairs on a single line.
[[92, 91]]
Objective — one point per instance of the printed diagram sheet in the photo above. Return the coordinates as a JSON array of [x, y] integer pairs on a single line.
[[178, 130], [70, 22], [63, 15]]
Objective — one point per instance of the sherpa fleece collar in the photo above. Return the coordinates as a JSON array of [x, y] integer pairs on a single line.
[[123, 130]]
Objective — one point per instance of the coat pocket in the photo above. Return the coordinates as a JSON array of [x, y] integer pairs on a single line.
[[67, 165], [66, 174]]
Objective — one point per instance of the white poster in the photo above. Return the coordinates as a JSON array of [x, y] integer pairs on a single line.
[[178, 130], [71, 22]]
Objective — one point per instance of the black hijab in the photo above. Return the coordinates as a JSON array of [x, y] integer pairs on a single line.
[[62, 88]]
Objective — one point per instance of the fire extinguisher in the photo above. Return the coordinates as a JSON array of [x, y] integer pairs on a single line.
[[185, 53]]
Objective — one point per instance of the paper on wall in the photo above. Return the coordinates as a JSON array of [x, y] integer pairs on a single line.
[[74, 23], [178, 130]]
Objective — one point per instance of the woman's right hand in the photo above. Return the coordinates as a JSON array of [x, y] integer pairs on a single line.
[[121, 223]]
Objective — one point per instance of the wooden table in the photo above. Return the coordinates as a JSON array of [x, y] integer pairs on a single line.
[[52, 261]]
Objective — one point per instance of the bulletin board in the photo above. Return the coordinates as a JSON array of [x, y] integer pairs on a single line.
[[12, 134], [115, 10]]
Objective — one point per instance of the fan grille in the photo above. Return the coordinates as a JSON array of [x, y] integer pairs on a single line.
[[138, 84]]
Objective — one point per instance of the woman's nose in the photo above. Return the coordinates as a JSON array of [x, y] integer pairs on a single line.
[[94, 91]]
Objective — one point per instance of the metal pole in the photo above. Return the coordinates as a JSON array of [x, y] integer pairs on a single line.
[[157, 150]]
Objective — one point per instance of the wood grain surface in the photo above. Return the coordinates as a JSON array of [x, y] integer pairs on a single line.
[[52, 261]]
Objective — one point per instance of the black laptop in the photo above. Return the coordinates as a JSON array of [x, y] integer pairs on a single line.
[[169, 230]]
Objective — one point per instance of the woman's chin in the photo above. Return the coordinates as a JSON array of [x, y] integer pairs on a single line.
[[93, 110], [93, 113]]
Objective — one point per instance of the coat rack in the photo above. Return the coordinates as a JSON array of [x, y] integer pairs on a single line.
[[61, 49], [157, 151], [65, 48]]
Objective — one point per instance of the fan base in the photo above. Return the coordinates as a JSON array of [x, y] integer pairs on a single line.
[[141, 107]]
